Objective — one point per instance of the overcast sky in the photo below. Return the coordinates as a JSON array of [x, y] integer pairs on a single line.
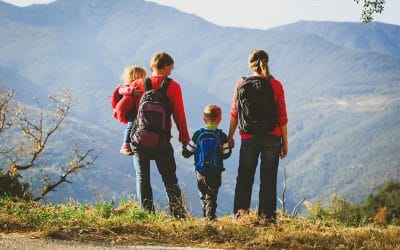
[[265, 14]]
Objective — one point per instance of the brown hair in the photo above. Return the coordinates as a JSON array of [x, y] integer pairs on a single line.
[[132, 73], [160, 60], [212, 112], [258, 62]]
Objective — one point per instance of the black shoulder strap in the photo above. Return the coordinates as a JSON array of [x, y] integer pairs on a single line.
[[147, 84], [165, 84], [218, 131]]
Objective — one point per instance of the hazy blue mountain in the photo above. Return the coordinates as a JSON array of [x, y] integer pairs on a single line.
[[341, 82], [375, 37]]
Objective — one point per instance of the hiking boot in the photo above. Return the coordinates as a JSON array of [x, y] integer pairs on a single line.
[[126, 149], [211, 218]]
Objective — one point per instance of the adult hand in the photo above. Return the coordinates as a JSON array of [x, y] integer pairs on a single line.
[[284, 150], [231, 142]]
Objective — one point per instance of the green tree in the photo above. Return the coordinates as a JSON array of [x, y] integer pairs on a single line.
[[371, 7], [388, 197]]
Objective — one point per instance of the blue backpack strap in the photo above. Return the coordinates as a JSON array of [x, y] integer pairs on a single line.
[[147, 84]]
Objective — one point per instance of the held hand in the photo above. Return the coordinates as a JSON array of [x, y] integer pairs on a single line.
[[284, 151], [231, 142], [185, 152]]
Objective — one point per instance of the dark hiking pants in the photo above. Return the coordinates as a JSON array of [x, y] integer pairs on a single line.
[[266, 148], [208, 186]]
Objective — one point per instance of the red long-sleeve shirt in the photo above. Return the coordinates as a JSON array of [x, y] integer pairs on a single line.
[[279, 97], [174, 94]]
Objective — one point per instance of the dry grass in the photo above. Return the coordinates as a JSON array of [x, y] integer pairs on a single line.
[[128, 224]]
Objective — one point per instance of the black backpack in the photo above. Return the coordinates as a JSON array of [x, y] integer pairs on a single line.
[[257, 111], [151, 129]]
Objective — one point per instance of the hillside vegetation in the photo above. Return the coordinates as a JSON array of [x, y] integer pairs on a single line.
[[128, 224], [374, 225]]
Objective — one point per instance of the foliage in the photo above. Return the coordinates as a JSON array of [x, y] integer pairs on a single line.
[[343, 211], [83, 223], [371, 7], [386, 201], [104, 210], [382, 208], [11, 186]]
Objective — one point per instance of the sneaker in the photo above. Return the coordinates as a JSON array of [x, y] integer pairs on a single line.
[[126, 149]]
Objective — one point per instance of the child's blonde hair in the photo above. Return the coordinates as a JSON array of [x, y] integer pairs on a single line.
[[212, 112], [132, 73]]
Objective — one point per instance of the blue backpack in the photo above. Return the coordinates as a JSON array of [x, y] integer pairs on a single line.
[[207, 155]]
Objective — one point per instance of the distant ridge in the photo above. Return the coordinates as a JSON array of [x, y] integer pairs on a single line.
[[374, 37]]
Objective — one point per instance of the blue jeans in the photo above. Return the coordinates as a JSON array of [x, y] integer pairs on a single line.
[[131, 118], [166, 166], [127, 134], [266, 147]]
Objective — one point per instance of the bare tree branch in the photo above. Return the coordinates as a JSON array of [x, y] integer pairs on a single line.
[[296, 208], [5, 99], [35, 130], [284, 191], [38, 127], [80, 161]]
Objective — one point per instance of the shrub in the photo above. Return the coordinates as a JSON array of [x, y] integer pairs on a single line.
[[343, 211], [105, 209], [388, 197], [11, 186]]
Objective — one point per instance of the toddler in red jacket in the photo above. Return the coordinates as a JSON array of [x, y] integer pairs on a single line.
[[123, 103]]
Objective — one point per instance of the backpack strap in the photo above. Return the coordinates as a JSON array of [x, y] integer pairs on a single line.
[[147, 84], [218, 133], [165, 84]]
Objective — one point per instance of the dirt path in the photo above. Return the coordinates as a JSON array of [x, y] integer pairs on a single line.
[[23, 242]]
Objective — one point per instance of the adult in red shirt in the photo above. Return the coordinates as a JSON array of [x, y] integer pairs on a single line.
[[161, 66], [268, 146]]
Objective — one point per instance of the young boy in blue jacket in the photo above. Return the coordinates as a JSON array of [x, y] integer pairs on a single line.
[[209, 145]]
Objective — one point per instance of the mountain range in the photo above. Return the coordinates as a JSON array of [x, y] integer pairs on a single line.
[[341, 81]]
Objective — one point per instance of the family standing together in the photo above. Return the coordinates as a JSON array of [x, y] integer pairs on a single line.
[[146, 105]]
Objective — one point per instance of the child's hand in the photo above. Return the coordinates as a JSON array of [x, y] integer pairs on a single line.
[[137, 92], [185, 153]]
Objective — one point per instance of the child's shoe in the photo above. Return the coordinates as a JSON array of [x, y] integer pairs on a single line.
[[126, 149]]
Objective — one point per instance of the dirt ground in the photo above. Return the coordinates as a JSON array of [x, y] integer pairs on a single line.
[[23, 242]]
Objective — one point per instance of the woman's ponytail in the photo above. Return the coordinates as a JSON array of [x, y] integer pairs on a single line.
[[258, 62]]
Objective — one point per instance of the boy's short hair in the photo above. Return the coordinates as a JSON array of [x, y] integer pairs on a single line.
[[212, 112], [160, 60]]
